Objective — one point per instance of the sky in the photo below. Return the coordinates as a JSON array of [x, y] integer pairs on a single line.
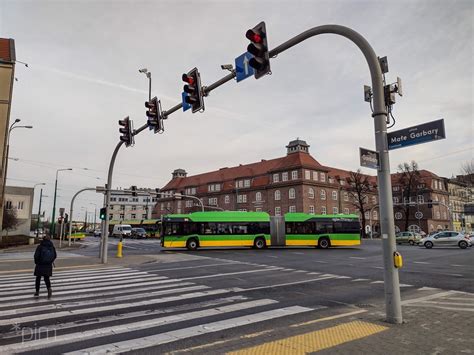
[[82, 77]]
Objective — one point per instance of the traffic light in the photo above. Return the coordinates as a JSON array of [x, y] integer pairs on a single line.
[[154, 114], [102, 213], [126, 131], [430, 203], [193, 90], [134, 190], [259, 49]]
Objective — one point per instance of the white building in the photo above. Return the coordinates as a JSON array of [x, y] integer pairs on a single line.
[[19, 199], [124, 207]]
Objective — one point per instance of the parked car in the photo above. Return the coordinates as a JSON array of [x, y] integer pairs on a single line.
[[138, 233], [411, 238], [122, 230], [447, 238], [97, 233]]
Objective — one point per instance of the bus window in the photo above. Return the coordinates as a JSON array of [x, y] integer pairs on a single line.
[[324, 227]]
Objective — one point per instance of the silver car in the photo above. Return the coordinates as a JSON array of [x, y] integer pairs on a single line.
[[446, 238]]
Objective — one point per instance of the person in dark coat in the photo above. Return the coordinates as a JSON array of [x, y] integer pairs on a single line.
[[44, 258]]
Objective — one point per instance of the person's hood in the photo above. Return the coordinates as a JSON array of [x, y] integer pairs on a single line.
[[47, 243]]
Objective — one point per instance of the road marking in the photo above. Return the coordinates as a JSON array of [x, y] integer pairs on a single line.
[[426, 298], [358, 280], [272, 256], [337, 316], [356, 257], [27, 272], [377, 282], [442, 303], [428, 289], [456, 265], [421, 262], [168, 337], [229, 273], [193, 267], [237, 289], [115, 306], [135, 326], [459, 309], [320, 261], [317, 340], [378, 267]]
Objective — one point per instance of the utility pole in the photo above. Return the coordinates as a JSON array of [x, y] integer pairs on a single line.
[[39, 213]]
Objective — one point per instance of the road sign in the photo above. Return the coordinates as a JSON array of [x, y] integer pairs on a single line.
[[418, 215], [242, 68], [369, 158], [186, 106], [423, 133]]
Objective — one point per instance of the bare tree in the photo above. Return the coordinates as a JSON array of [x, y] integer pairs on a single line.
[[359, 189], [467, 170], [10, 220], [409, 179]]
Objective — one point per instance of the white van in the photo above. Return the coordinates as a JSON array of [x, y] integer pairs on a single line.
[[122, 230]]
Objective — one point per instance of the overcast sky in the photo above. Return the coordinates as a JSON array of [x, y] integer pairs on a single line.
[[83, 77]]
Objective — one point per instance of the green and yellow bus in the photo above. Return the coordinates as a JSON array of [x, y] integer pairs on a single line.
[[258, 230]]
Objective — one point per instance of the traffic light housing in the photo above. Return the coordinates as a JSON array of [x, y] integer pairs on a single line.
[[134, 190], [154, 114], [430, 203], [193, 90], [258, 47], [102, 213], [127, 131]]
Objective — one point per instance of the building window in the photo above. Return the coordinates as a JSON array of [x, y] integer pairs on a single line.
[[284, 176], [307, 174], [342, 182], [374, 200], [323, 210], [396, 188], [111, 216], [398, 215], [134, 208], [367, 215], [323, 177], [133, 216], [375, 215], [258, 196], [276, 178], [346, 196], [212, 201], [226, 199], [315, 175], [162, 206], [21, 205], [323, 194], [8, 205], [331, 180], [444, 215], [294, 175], [292, 209], [311, 209], [438, 215], [292, 194], [247, 183], [168, 205], [121, 216], [145, 217], [241, 198], [420, 199], [258, 209], [277, 195], [335, 210], [334, 195], [395, 200], [311, 192], [113, 199], [122, 207], [189, 203], [213, 187], [277, 211], [346, 211]]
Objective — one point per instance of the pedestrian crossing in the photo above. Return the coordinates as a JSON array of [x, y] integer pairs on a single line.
[[447, 300], [117, 309]]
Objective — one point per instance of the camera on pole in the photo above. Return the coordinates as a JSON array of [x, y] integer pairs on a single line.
[[259, 49], [193, 90], [127, 131], [154, 114]]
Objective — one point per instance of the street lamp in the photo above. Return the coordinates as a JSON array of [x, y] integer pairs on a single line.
[[54, 201], [148, 75], [5, 161], [39, 208], [95, 214]]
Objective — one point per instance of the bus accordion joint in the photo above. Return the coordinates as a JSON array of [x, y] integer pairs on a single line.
[[397, 259]]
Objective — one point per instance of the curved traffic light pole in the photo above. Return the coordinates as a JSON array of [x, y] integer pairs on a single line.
[[71, 210], [392, 286]]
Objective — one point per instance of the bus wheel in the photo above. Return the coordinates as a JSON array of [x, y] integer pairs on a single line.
[[324, 243], [192, 244], [259, 243]]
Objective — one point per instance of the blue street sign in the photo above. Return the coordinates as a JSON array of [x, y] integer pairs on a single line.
[[423, 133], [242, 68], [186, 106]]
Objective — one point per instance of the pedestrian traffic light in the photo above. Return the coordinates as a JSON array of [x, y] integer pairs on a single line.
[[193, 90], [127, 131], [134, 190], [102, 213], [154, 114], [259, 49]]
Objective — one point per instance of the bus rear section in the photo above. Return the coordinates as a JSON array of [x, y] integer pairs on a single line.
[[322, 231], [216, 229]]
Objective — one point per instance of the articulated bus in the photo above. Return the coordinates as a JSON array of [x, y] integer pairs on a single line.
[[258, 230]]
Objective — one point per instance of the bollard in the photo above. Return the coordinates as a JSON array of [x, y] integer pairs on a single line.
[[119, 249]]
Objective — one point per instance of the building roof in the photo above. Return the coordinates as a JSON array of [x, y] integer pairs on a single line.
[[258, 170]]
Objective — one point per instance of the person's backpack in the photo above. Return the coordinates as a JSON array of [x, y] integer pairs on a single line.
[[47, 255]]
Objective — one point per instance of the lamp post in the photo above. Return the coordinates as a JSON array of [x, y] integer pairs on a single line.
[[54, 201], [95, 214], [148, 75], [39, 208], [5, 162]]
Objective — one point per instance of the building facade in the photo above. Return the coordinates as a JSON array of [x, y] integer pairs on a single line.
[[124, 207], [294, 183], [460, 196], [19, 199]]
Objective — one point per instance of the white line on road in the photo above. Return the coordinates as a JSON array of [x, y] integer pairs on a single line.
[[356, 257], [421, 262]]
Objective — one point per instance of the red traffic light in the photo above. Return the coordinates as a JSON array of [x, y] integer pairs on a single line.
[[254, 36], [188, 79]]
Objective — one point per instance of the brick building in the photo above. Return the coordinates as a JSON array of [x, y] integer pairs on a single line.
[[460, 196], [294, 183]]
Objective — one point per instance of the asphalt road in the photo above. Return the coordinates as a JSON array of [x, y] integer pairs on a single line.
[[210, 295]]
